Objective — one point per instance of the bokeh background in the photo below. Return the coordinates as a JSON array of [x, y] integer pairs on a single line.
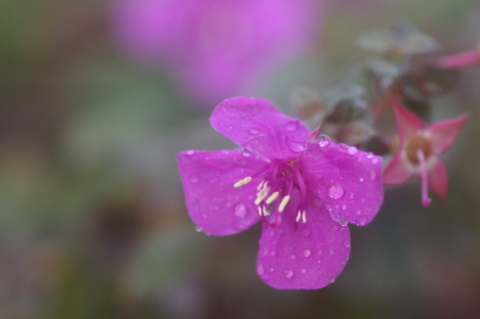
[[92, 218]]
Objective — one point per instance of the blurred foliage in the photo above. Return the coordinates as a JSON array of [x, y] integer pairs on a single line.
[[92, 220]]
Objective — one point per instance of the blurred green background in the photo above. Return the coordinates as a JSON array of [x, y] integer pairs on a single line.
[[92, 218]]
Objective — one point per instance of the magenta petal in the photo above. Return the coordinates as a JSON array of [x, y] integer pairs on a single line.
[[213, 203], [346, 180], [257, 125], [397, 171], [443, 134], [407, 122], [309, 256], [437, 178]]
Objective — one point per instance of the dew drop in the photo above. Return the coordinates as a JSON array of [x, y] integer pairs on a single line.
[[270, 269], [343, 262], [240, 210], [303, 270], [332, 280], [194, 179], [230, 127], [344, 206], [319, 261], [306, 232], [346, 244], [293, 257], [307, 253], [373, 175], [361, 179], [324, 140], [343, 222], [352, 150], [288, 273], [291, 127], [199, 229], [253, 131], [190, 152], [335, 191], [352, 195], [332, 252], [359, 212], [260, 270]]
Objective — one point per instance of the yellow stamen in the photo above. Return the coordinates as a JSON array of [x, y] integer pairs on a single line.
[[283, 203], [299, 215], [260, 186], [261, 195], [242, 182], [272, 198]]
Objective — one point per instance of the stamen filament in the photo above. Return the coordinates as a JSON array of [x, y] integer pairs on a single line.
[[424, 177], [262, 194], [272, 198], [283, 203], [242, 182]]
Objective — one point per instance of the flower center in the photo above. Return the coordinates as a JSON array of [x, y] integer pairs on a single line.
[[418, 143], [275, 191]]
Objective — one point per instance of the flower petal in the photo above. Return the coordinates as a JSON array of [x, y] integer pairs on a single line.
[[437, 178], [346, 180], [303, 255], [442, 134], [214, 204], [257, 125], [407, 122], [397, 170]]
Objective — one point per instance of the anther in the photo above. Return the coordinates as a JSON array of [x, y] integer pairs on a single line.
[[304, 217], [271, 198], [299, 215], [242, 182], [262, 194], [260, 186], [283, 203]]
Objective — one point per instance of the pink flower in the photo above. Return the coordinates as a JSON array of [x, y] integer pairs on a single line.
[[420, 147], [215, 48], [304, 191]]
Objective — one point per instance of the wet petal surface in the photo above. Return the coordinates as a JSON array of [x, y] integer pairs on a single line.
[[257, 125], [214, 204], [303, 255], [346, 180]]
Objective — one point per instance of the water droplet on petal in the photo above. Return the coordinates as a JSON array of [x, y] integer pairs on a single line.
[[253, 131], [303, 270], [344, 206], [352, 195], [194, 179], [361, 179], [324, 140], [293, 257], [343, 222], [332, 252], [332, 280], [288, 273], [307, 253], [359, 212], [335, 191], [306, 232], [260, 270], [346, 244], [343, 262], [199, 229], [240, 210], [230, 127], [352, 150], [292, 126]]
